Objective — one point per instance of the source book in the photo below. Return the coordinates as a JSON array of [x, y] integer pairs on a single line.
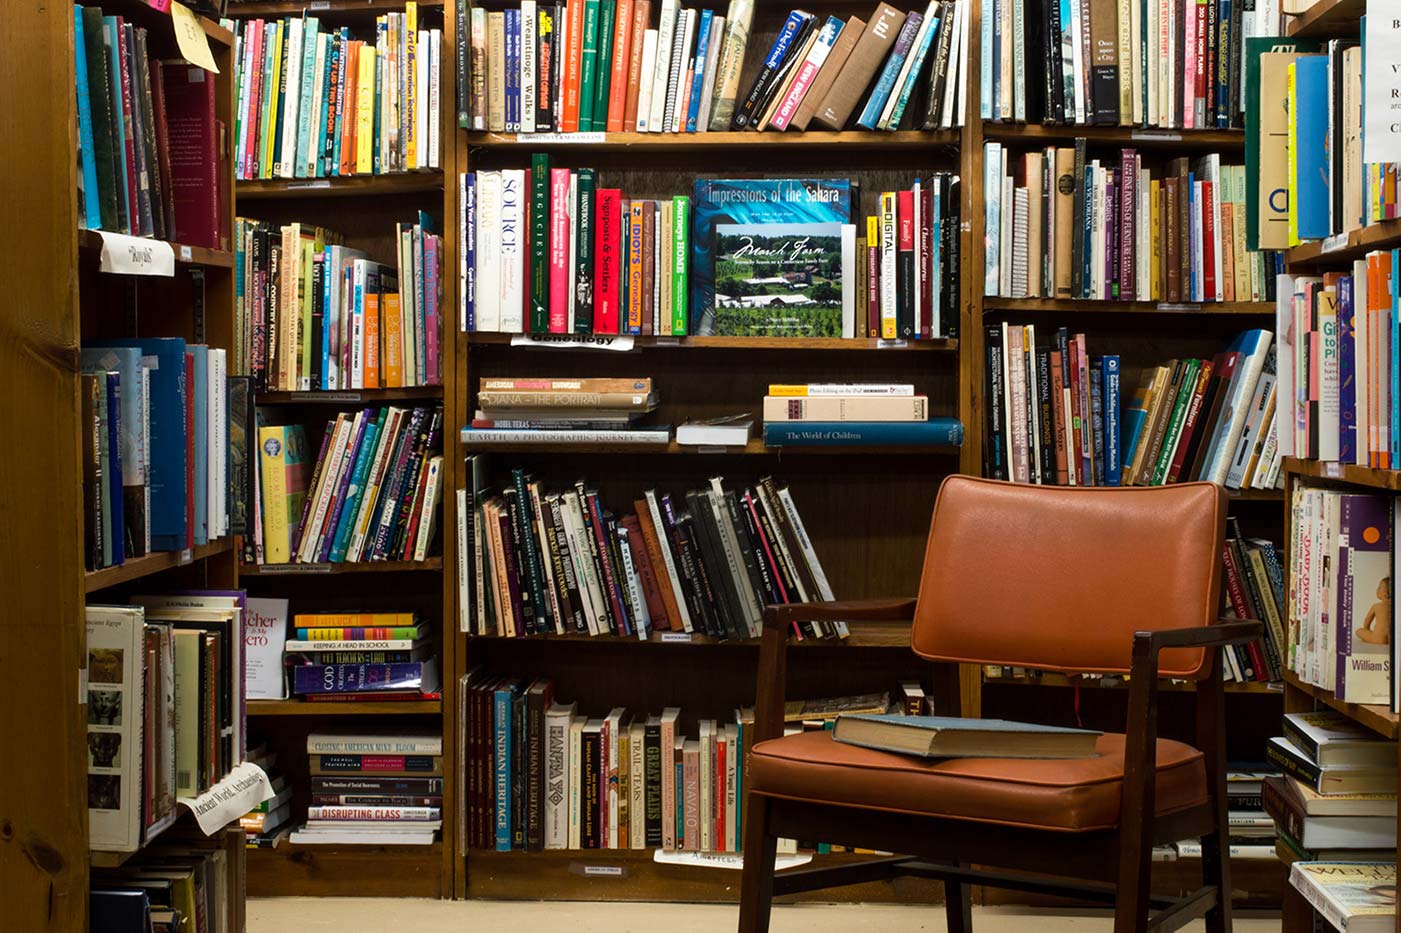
[[950, 737]]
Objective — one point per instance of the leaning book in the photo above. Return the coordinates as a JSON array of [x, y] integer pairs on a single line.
[[1355, 897], [784, 280], [952, 737], [114, 697]]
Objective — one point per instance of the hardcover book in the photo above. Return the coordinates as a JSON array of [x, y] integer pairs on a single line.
[[778, 280], [950, 737]]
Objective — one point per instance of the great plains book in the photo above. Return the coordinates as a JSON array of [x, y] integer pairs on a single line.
[[948, 737]]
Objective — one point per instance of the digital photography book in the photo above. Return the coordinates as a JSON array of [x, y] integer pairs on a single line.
[[784, 280], [953, 737]]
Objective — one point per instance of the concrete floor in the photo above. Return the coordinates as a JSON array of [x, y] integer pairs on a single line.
[[350, 915]]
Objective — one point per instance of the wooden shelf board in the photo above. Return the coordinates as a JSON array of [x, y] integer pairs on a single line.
[[341, 186], [185, 255], [1255, 495], [324, 9], [1049, 679], [1131, 135], [1343, 249], [366, 566], [137, 567], [755, 447], [350, 396], [1062, 306], [346, 708], [1345, 473], [291, 870], [863, 635], [944, 344], [1377, 718], [847, 140], [1328, 19]]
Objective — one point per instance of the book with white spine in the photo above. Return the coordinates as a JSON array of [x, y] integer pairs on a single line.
[[662, 78]]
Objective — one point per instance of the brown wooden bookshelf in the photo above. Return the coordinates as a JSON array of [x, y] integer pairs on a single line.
[[684, 142], [1348, 473], [91, 241], [1327, 18], [352, 396], [846, 344], [1073, 306], [341, 186], [753, 448], [1138, 137], [291, 870], [863, 635], [136, 568], [343, 568], [328, 9], [1052, 679], [1337, 250], [345, 708]]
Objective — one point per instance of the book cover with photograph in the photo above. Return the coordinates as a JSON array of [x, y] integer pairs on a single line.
[[779, 280]]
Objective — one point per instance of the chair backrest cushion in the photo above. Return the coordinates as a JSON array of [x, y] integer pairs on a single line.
[[1061, 578]]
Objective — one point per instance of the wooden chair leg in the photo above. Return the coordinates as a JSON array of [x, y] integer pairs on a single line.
[[756, 883], [958, 907], [1135, 881], [1216, 871]]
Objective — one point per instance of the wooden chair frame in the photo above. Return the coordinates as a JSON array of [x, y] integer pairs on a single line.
[[1116, 864]]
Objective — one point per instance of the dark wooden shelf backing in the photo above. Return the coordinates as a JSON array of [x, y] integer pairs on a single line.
[[1066, 305], [362, 566], [137, 567], [863, 635], [655, 142], [341, 186], [755, 447], [351, 396], [185, 255], [1377, 718], [346, 871], [1328, 19], [1134, 136], [346, 708], [944, 344]]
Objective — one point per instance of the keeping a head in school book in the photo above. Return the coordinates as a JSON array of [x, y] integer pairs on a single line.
[[952, 737]]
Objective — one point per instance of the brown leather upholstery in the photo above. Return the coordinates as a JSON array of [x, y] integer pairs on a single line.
[[1072, 795], [1061, 578]]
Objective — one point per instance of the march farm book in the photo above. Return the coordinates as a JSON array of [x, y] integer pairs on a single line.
[[783, 280]]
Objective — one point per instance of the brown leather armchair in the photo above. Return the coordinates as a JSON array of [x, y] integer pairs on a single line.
[[1092, 580]]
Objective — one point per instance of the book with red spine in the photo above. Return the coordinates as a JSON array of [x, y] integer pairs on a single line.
[[1209, 245], [905, 263], [607, 260], [619, 65], [573, 58], [194, 158], [560, 232]]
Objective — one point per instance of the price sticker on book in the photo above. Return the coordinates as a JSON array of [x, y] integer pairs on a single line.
[[189, 35], [131, 255]]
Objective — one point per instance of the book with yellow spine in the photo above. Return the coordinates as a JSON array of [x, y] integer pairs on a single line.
[[282, 471], [365, 112]]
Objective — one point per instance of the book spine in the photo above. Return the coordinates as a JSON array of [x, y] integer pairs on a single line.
[[541, 257]]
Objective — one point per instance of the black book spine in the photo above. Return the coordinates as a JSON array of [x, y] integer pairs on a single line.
[[1055, 85], [569, 575], [273, 279], [714, 565], [749, 110], [620, 577], [767, 585], [464, 43], [1234, 116], [1034, 50], [702, 604], [525, 520], [588, 780], [520, 569], [785, 574], [994, 439], [948, 230], [1077, 224], [939, 73], [591, 543], [1047, 422], [546, 51]]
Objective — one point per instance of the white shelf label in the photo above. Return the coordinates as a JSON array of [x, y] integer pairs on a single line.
[[132, 255], [603, 871], [314, 183], [574, 341], [1334, 243], [186, 254], [883, 344], [675, 638], [1333, 470], [1156, 135], [576, 139], [187, 556]]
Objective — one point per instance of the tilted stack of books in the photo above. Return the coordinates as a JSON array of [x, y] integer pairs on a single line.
[[373, 492], [373, 790], [317, 103], [538, 563], [564, 411], [1250, 830], [1327, 756], [267, 824], [313, 315], [1056, 417], [148, 153], [1356, 827], [861, 413], [1061, 224], [601, 66], [348, 657]]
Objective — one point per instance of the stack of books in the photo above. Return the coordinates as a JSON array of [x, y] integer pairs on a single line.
[[372, 495], [157, 416], [1333, 827], [1250, 831], [373, 790], [1055, 415], [1166, 63], [172, 886], [542, 563], [1254, 578], [131, 178], [542, 775], [348, 657], [165, 709], [1353, 896], [861, 413], [313, 315], [1330, 755], [313, 102], [267, 824], [601, 66], [1341, 615], [1061, 224], [565, 411]]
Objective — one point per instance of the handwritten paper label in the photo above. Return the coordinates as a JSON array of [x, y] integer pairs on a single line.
[[1333, 470], [189, 35], [670, 638], [573, 341], [131, 255], [1334, 243], [722, 860], [318, 183], [241, 790], [576, 139], [1381, 121]]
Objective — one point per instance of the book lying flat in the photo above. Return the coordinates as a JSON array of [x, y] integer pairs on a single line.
[[949, 737]]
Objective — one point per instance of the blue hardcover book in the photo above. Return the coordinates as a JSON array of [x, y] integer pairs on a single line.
[[513, 70], [109, 28], [166, 356], [1395, 413], [201, 433], [914, 74], [502, 699], [308, 75], [356, 490], [875, 104], [366, 678], [753, 201], [1113, 460], [318, 129], [115, 526], [329, 265], [469, 291], [1347, 370], [698, 82], [91, 211], [934, 432], [1311, 158]]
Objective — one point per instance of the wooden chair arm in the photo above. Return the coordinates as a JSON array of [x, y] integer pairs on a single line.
[[1225, 632]]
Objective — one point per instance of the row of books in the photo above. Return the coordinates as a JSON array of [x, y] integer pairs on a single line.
[[313, 315], [349, 657], [373, 789], [1060, 224], [314, 102], [158, 416], [565, 411], [539, 774], [164, 702], [538, 563], [148, 163], [1345, 826], [1056, 415], [267, 824], [1164, 63], [1339, 362], [1341, 617], [600, 66], [372, 495], [1254, 589], [173, 887]]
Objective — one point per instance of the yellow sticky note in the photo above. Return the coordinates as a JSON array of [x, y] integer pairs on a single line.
[[189, 35]]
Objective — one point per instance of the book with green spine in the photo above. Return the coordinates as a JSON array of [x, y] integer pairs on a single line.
[[588, 65], [607, 11], [680, 255], [583, 237], [1175, 420], [540, 243]]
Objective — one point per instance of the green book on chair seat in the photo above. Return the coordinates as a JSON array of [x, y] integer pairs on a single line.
[[950, 737]]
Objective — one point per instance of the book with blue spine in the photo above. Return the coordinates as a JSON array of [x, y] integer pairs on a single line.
[[91, 203], [745, 110], [1311, 154], [934, 432], [469, 260], [335, 165], [115, 526], [1347, 373], [356, 490], [513, 70], [502, 698], [1113, 459], [754, 201], [167, 390], [885, 84], [698, 81], [393, 676], [310, 43], [201, 448], [913, 71]]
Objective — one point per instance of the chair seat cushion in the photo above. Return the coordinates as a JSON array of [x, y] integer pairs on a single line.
[[1065, 795]]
